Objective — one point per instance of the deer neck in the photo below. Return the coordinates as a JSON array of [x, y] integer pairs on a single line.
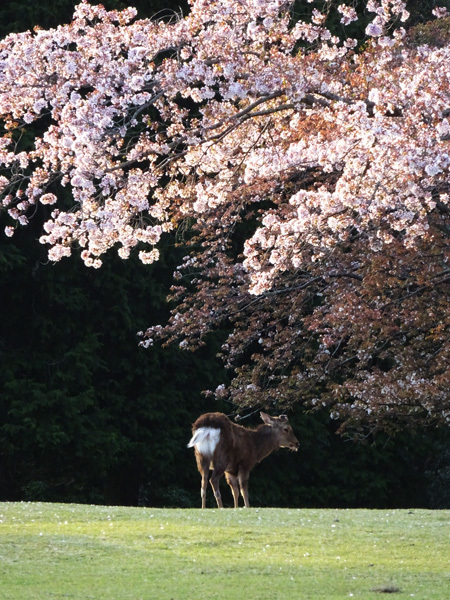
[[265, 442]]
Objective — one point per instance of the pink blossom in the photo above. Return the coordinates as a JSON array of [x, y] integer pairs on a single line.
[[374, 29], [149, 257], [433, 169], [312, 144], [440, 12], [386, 41], [404, 15], [348, 14], [58, 252], [48, 199], [317, 17]]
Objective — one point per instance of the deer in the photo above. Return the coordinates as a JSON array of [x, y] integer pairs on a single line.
[[227, 448]]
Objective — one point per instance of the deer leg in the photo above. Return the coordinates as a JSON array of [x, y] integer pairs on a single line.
[[204, 488], [243, 484], [215, 480], [203, 467], [233, 483]]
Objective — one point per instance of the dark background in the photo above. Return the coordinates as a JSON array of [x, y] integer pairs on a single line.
[[86, 415]]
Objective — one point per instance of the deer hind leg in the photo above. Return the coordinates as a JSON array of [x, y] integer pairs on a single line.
[[215, 480], [203, 467], [232, 481], [243, 484]]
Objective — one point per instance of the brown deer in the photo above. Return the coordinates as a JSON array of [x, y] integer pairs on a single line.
[[228, 448]]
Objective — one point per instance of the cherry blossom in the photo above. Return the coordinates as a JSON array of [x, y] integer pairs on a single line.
[[312, 175], [349, 14]]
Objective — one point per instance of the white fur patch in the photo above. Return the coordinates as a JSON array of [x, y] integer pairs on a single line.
[[205, 439]]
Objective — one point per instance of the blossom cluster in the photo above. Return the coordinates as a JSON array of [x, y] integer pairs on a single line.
[[229, 115]]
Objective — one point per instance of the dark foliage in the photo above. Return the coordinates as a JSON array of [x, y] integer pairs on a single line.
[[86, 415]]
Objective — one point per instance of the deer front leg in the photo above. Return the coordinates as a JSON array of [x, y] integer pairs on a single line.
[[243, 484], [233, 483]]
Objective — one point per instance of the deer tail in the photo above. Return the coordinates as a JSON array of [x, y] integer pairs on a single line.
[[205, 440]]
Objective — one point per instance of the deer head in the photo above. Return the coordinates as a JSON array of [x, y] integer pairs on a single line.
[[283, 431]]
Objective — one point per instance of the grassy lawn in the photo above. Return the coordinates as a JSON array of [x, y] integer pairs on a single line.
[[58, 551]]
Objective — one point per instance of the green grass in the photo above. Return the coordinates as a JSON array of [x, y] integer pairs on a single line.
[[75, 552]]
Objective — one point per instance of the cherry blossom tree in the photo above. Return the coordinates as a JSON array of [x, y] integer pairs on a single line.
[[306, 174]]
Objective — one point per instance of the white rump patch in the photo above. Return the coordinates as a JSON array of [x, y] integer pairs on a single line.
[[205, 440]]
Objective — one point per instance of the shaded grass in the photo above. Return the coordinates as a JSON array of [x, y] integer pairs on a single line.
[[55, 551]]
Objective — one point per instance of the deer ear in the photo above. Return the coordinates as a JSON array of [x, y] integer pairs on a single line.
[[266, 418]]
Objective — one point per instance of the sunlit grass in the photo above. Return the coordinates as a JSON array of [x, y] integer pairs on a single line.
[[50, 551]]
